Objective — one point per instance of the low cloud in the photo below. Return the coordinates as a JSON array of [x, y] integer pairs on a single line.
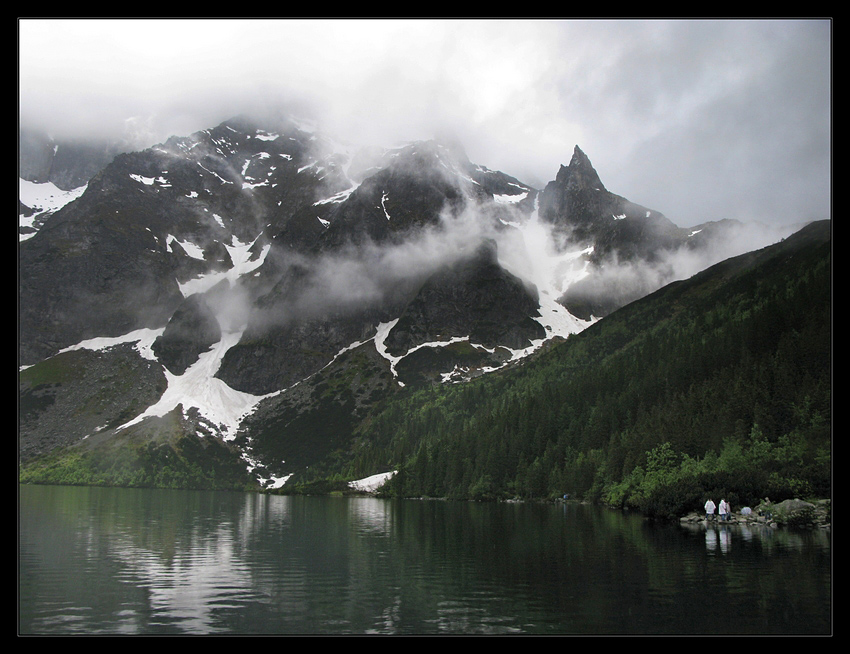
[[381, 277], [371, 275], [698, 119], [614, 282]]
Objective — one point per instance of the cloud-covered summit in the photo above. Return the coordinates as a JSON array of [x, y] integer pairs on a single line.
[[698, 118]]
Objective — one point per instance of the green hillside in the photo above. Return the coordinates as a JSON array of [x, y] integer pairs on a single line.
[[715, 386]]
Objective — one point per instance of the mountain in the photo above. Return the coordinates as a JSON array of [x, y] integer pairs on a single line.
[[251, 291]]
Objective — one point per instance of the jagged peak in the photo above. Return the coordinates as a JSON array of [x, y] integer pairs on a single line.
[[579, 158], [580, 174]]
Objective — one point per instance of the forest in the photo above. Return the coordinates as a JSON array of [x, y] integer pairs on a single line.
[[719, 385]]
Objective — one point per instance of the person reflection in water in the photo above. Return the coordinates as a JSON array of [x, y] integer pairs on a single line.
[[711, 539], [725, 538]]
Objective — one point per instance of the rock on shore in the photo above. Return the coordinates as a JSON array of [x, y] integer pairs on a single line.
[[791, 513]]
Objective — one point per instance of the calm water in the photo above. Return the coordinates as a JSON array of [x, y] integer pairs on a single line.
[[120, 561]]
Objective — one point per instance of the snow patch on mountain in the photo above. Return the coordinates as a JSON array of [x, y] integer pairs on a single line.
[[337, 198], [266, 136], [243, 264], [384, 330], [250, 182], [214, 174], [557, 321], [189, 248], [143, 338], [529, 251], [197, 387], [348, 348], [151, 181], [268, 483], [371, 484], [384, 205], [510, 199], [42, 199]]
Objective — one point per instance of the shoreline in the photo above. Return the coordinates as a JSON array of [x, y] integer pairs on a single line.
[[815, 514]]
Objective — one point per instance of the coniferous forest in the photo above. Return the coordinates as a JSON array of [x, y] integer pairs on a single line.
[[719, 385]]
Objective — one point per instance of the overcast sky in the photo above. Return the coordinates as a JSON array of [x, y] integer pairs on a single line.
[[699, 120]]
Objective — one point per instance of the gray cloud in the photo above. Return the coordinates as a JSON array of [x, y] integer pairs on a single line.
[[697, 119]]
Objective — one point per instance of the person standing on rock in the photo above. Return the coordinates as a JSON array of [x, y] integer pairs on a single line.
[[766, 509], [724, 511], [709, 510]]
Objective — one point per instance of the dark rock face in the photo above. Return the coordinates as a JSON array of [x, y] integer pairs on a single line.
[[268, 358], [93, 271], [291, 338], [617, 232], [68, 164], [474, 297], [410, 193], [191, 331], [72, 395]]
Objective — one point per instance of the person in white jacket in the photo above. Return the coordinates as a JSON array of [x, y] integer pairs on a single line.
[[709, 510], [724, 510]]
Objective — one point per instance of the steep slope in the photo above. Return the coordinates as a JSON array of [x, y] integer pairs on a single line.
[[473, 296], [384, 239], [113, 261]]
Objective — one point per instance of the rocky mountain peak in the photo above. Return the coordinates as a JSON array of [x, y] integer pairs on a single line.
[[580, 174]]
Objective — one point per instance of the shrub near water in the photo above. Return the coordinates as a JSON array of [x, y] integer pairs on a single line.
[[674, 485]]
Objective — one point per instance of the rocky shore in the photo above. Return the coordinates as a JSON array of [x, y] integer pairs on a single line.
[[816, 514]]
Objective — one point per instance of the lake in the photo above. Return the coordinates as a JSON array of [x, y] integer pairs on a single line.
[[137, 561]]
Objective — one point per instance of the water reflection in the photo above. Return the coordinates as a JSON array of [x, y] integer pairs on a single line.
[[122, 561], [720, 537], [370, 515]]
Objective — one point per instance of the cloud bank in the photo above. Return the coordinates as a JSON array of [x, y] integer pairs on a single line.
[[698, 119]]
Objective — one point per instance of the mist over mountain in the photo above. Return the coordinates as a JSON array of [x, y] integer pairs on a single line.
[[274, 283]]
